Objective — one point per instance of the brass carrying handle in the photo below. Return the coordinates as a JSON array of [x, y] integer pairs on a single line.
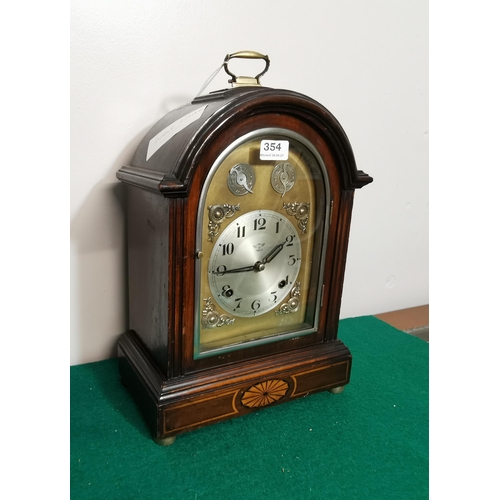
[[245, 80]]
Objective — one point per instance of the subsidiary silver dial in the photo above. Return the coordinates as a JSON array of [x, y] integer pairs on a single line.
[[254, 263]]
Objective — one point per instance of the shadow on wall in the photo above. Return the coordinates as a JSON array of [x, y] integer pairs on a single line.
[[99, 275], [99, 293]]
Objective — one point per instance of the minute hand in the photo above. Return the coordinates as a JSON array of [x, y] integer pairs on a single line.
[[237, 270]]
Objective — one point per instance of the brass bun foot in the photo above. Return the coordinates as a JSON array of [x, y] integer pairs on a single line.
[[336, 390], [165, 441]]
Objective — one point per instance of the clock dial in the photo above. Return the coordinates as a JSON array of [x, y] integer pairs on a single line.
[[260, 236], [255, 263]]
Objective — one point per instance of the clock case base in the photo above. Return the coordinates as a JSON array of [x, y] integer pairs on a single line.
[[171, 407]]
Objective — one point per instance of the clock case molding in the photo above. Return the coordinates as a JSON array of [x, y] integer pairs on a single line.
[[175, 392]]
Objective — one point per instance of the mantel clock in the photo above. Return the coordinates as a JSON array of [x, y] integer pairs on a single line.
[[238, 209]]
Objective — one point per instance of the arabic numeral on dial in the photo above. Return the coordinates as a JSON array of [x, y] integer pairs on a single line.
[[221, 269], [292, 260], [289, 240], [274, 297], [259, 224], [228, 249], [255, 305], [240, 232]]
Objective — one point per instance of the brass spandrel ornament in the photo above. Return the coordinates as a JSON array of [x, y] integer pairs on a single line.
[[217, 214]]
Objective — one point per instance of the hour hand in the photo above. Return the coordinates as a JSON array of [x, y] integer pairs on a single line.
[[272, 254]]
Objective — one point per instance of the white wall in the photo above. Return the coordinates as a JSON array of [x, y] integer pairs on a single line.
[[134, 61]]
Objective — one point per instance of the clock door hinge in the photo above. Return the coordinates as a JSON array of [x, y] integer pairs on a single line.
[[322, 295], [331, 212]]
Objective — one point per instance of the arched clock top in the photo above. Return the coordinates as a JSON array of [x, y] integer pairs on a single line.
[[166, 158]]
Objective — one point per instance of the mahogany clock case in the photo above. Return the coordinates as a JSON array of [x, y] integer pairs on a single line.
[[176, 390]]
